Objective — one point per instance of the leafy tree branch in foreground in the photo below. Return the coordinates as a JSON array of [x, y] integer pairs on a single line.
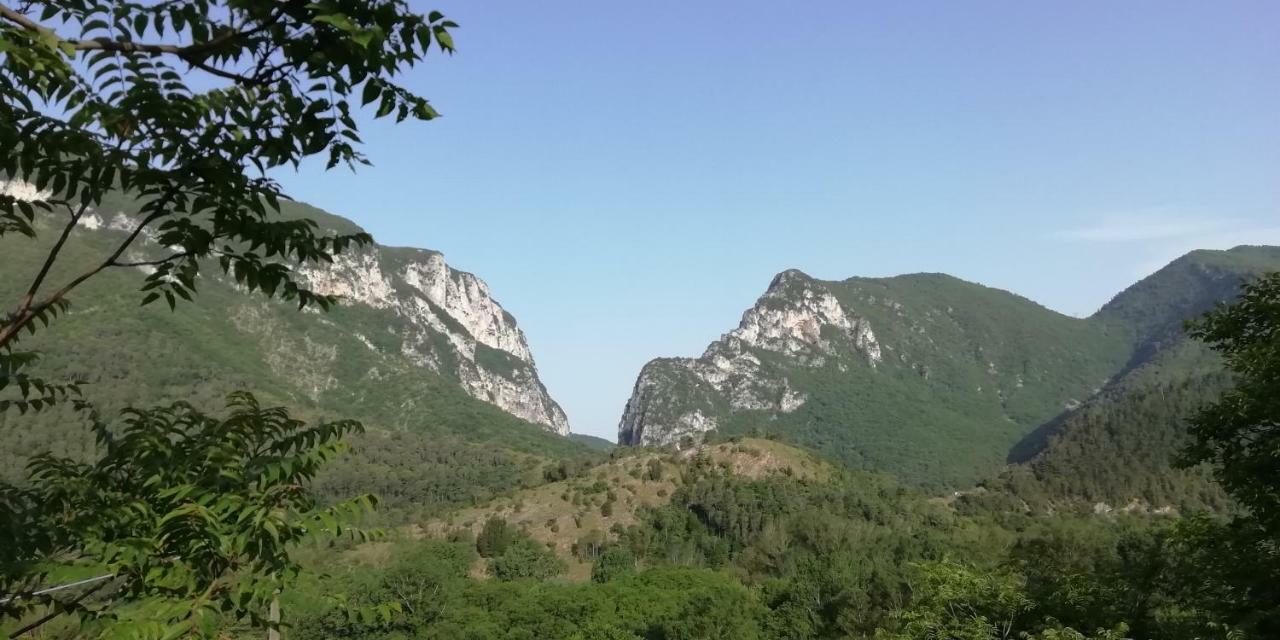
[[194, 516]]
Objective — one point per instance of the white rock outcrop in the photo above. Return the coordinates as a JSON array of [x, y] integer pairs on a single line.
[[435, 300], [797, 318], [22, 190]]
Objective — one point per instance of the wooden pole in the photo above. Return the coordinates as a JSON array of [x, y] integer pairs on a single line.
[[273, 615]]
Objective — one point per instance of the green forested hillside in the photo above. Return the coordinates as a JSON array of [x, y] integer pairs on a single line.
[[599, 444], [769, 556], [1118, 450], [1153, 310], [700, 546], [960, 378], [955, 375], [447, 447]]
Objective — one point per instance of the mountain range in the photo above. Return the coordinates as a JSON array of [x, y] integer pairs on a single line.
[[941, 381], [944, 383]]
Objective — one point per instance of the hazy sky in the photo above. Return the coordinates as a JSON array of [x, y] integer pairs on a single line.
[[628, 177]]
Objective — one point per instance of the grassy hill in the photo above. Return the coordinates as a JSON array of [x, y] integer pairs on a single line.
[[562, 513]]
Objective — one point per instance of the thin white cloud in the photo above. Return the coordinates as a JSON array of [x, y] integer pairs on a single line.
[[1164, 252], [1145, 226], [1155, 237]]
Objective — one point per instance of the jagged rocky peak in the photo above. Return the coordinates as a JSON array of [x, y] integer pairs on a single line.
[[481, 345], [790, 318], [798, 319]]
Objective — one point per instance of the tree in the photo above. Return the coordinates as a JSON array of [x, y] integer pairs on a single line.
[[494, 537], [616, 561], [525, 559], [183, 107], [589, 545], [954, 601], [654, 470], [1240, 434], [1235, 563], [186, 106], [193, 517]]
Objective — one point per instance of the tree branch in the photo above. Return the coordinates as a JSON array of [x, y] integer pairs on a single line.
[[192, 54], [58, 609], [50, 259], [22, 21], [151, 263], [10, 330]]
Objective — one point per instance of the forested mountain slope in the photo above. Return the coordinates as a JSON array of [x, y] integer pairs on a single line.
[[925, 376], [749, 539], [415, 346], [932, 378], [1117, 450]]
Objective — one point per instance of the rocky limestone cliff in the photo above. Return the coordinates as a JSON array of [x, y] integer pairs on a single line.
[[797, 319], [482, 347]]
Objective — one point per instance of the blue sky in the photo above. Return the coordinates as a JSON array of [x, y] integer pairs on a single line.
[[628, 177]]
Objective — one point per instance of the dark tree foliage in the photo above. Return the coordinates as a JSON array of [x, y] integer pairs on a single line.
[[494, 538], [1240, 434], [100, 98]]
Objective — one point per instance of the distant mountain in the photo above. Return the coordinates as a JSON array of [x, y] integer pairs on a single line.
[[415, 345], [592, 442], [925, 376], [1116, 451]]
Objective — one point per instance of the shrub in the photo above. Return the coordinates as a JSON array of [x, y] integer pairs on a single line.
[[525, 559]]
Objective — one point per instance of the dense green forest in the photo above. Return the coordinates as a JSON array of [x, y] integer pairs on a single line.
[[1119, 450], [849, 556]]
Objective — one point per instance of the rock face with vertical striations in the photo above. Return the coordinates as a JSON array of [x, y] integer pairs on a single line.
[[450, 324]]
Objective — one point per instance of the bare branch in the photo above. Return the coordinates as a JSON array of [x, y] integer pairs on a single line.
[[151, 263], [22, 21], [51, 258], [19, 321]]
